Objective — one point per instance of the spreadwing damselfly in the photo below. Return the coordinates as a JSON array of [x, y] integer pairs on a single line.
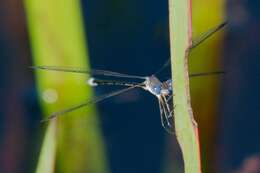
[[161, 89]]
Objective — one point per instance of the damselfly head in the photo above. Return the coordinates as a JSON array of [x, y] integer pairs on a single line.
[[166, 87], [169, 84]]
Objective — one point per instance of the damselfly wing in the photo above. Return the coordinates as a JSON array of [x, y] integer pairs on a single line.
[[162, 90]]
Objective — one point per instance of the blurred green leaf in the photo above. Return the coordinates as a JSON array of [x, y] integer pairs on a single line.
[[57, 38], [47, 156], [207, 57]]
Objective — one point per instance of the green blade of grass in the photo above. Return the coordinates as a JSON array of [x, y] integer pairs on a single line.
[[185, 125], [46, 162], [57, 39]]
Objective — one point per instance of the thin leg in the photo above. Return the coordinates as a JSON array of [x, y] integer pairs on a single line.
[[167, 106], [166, 112], [163, 118]]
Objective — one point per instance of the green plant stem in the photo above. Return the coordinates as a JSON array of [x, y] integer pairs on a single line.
[[185, 125]]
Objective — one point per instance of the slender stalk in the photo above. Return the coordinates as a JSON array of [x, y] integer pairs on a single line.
[[185, 125]]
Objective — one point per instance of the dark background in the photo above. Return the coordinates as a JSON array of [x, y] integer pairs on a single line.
[[141, 42]]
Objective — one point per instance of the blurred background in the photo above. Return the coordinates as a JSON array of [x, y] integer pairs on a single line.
[[123, 134]]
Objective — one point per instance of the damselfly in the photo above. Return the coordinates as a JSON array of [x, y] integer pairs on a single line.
[[162, 90]]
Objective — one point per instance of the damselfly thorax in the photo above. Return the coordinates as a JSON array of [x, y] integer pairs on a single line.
[[156, 87], [161, 89]]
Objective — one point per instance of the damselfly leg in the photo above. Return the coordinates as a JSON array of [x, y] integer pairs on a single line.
[[166, 113]]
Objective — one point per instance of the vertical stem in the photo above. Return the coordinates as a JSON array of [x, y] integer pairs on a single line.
[[180, 41]]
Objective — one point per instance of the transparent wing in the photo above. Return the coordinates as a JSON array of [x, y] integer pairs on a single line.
[[166, 113], [96, 100], [198, 41], [91, 72], [206, 74], [206, 35]]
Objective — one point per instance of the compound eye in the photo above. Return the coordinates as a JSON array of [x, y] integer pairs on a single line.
[[169, 84]]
